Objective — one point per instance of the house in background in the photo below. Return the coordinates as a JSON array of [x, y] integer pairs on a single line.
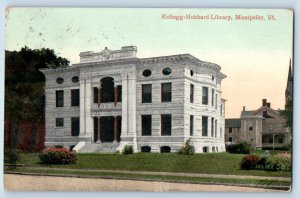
[[112, 99], [261, 128]]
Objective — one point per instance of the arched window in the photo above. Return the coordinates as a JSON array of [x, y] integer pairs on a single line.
[[107, 90], [165, 149], [145, 149]]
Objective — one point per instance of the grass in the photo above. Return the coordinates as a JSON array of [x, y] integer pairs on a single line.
[[210, 163], [97, 174]]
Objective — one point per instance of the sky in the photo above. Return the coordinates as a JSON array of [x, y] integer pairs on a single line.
[[253, 54]]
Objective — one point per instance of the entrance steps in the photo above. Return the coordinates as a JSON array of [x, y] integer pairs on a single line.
[[106, 147]]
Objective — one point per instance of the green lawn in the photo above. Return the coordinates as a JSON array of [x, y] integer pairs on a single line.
[[212, 163]]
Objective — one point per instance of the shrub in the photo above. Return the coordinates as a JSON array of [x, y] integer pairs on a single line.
[[57, 156], [279, 162], [11, 157], [249, 162], [128, 149], [187, 149], [240, 148]]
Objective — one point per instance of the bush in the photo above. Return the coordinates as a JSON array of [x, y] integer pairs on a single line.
[[239, 148], [249, 162], [128, 149], [57, 156], [187, 149], [279, 162], [11, 157]]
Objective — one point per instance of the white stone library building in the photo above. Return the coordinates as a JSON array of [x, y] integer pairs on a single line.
[[112, 99]]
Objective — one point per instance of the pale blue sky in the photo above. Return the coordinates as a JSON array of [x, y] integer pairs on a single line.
[[254, 55]]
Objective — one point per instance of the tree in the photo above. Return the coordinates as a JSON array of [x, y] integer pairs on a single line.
[[288, 113], [24, 87]]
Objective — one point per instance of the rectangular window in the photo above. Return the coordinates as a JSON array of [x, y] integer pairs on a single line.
[[146, 125], [95, 94], [166, 124], [212, 97], [270, 127], [216, 127], [230, 129], [221, 110], [75, 97], [147, 93], [212, 127], [204, 125], [191, 93], [205, 95], [166, 92], [216, 107], [191, 125], [59, 122], [230, 139], [119, 90], [75, 126], [60, 98]]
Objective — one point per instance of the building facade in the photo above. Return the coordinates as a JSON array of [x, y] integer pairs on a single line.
[[261, 128], [112, 99]]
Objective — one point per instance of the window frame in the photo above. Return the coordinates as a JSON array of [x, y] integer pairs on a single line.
[[75, 119], [205, 126], [145, 132], [205, 95], [166, 128], [75, 101], [59, 122], [59, 97], [166, 92], [192, 90], [146, 97], [192, 125]]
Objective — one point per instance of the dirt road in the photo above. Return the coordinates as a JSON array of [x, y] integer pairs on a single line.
[[49, 183]]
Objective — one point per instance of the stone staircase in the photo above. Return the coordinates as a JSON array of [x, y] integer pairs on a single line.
[[107, 147]]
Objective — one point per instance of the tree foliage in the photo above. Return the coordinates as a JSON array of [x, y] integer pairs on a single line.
[[288, 114], [24, 84]]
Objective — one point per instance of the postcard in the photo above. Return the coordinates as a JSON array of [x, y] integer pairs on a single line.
[[148, 99]]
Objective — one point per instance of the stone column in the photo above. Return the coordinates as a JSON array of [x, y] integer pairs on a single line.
[[82, 107], [124, 130], [116, 117], [98, 123], [131, 111], [89, 124]]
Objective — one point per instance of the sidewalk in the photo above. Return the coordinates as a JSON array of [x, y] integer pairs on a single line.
[[172, 174]]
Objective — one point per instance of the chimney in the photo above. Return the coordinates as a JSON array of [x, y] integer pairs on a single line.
[[264, 102], [244, 108], [269, 104]]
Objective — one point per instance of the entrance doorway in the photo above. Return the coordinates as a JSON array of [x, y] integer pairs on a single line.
[[107, 133]]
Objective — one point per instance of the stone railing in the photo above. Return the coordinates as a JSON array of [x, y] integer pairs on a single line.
[[107, 106]]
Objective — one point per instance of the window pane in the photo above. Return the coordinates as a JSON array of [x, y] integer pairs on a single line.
[[60, 98], [147, 93], [212, 127], [95, 94], [146, 124], [75, 97], [119, 88], [75, 126], [191, 125], [59, 122], [212, 97], [191, 93], [204, 95], [204, 125], [166, 92], [166, 124]]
